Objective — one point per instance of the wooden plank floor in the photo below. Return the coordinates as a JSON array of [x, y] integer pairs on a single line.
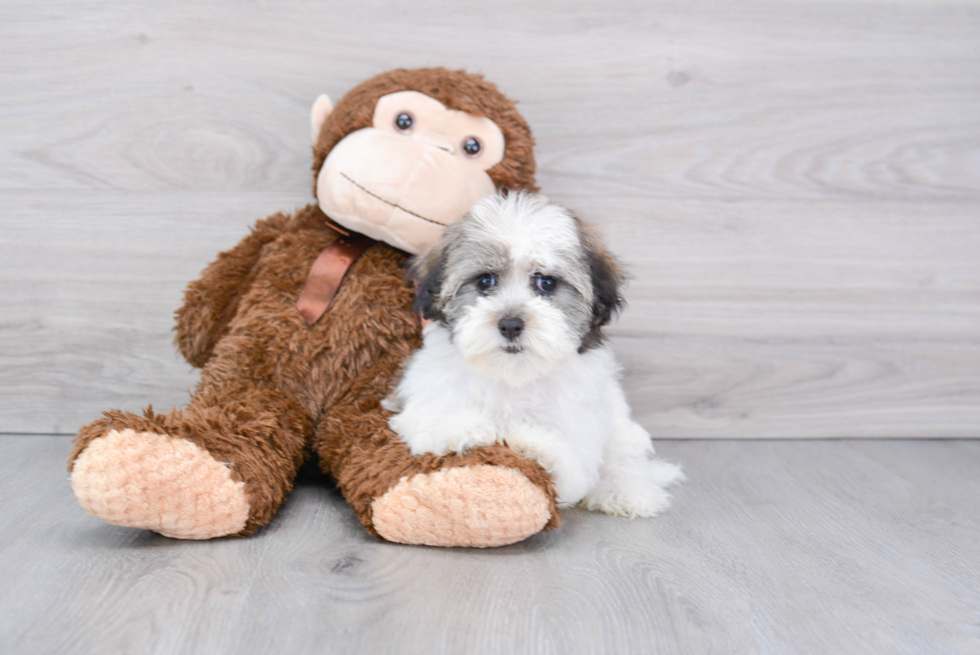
[[795, 186], [846, 546]]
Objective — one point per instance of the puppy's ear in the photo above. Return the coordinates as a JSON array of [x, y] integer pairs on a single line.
[[428, 269], [607, 281]]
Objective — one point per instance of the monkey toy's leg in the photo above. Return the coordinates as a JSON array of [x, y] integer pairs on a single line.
[[485, 497], [221, 466]]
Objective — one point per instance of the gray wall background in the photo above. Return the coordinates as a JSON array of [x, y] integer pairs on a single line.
[[794, 186]]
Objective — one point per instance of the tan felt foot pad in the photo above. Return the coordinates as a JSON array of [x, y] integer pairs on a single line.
[[478, 506], [151, 481]]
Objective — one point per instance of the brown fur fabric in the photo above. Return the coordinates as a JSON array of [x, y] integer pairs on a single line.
[[273, 389]]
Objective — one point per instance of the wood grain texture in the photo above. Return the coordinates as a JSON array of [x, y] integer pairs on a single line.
[[795, 187], [771, 547]]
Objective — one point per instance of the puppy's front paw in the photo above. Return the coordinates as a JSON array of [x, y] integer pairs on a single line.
[[530, 441], [570, 476], [473, 437], [455, 432]]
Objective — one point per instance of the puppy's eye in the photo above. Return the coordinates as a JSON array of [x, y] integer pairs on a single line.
[[404, 122], [545, 284], [486, 282]]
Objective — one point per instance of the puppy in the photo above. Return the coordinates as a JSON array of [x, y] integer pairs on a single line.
[[518, 292]]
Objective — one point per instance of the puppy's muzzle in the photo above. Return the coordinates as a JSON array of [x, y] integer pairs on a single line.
[[511, 327]]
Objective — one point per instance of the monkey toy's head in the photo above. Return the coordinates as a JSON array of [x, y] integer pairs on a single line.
[[408, 152]]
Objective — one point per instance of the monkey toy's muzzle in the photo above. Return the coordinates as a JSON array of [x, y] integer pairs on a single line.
[[409, 201]]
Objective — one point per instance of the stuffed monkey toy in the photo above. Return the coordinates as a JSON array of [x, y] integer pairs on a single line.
[[301, 328]]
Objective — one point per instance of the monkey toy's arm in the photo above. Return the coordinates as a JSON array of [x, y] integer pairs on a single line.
[[211, 301]]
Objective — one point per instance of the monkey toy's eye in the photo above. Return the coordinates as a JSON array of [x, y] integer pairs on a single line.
[[486, 282], [545, 284], [471, 146], [404, 122]]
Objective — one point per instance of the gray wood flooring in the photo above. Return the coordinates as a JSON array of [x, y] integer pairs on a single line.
[[795, 186], [823, 547]]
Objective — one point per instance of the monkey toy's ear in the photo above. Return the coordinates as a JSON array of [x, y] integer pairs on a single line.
[[427, 269], [321, 109]]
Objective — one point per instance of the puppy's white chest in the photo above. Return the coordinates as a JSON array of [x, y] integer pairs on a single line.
[[563, 419], [572, 403]]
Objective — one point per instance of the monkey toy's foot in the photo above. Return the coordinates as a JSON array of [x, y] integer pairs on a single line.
[[481, 505], [156, 482]]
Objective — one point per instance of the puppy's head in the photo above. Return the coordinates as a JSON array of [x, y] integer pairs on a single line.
[[521, 284]]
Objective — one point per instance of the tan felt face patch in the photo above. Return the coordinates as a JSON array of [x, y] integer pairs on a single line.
[[450, 130], [418, 168], [406, 203]]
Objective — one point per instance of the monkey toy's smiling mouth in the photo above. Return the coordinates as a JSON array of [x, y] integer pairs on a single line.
[[388, 202], [397, 182]]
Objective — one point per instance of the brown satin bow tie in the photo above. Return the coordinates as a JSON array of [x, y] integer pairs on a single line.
[[328, 272]]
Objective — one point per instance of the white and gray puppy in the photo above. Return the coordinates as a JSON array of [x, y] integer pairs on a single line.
[[518, 292]]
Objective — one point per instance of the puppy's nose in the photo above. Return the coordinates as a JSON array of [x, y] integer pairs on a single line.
[[511, 327]]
